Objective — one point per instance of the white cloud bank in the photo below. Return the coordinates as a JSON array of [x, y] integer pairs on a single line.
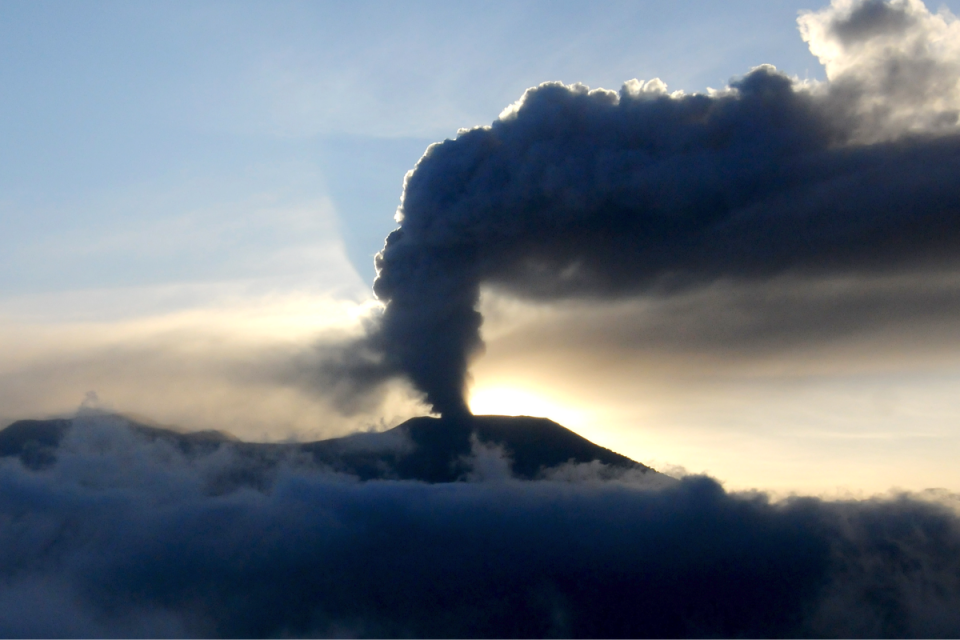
[[896, 61]]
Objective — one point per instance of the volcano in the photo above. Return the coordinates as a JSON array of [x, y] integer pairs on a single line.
[[425, 449]]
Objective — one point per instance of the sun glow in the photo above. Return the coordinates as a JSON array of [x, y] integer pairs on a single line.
[[515, 401]]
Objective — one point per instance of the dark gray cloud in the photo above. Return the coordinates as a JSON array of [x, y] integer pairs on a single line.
[[870, 19], [351, 374], [742, 320], [126, 537], [597, 195]]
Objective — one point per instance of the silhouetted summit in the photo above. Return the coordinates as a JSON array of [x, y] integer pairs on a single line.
[[425, 449], [532, 445]]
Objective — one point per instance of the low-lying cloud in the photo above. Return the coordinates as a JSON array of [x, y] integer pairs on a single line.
[[123, 537], [254, 366]]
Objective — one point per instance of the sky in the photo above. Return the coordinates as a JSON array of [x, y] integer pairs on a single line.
[[191, 196]]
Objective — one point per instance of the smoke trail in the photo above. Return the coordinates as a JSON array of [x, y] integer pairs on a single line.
[[596, 194]]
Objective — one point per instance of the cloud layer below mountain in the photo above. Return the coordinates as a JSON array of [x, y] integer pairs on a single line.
[[121, 537]]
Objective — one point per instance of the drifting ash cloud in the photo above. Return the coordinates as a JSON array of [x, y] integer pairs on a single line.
[[591, 194], [125, 537]]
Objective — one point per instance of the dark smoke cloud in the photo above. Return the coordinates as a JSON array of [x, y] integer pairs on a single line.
[[743, 321], [123, 537], [575, 193]]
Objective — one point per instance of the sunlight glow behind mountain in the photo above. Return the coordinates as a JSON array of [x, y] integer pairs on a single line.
[[510, 400]]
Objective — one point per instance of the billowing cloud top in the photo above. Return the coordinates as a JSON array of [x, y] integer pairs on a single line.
[[893, 66], [573, 192]]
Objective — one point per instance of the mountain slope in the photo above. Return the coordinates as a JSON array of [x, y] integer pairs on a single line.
[[425, 449]]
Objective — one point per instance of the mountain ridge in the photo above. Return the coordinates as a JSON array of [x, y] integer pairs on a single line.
[[424, 448]]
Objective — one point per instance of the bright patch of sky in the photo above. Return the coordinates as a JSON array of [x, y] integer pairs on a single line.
[[138, 137]]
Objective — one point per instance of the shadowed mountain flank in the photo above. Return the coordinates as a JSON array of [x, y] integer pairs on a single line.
[[425, 449], [36, 442], [532, 444]]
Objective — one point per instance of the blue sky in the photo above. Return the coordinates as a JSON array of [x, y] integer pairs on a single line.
[[117, 117], [200, 169]]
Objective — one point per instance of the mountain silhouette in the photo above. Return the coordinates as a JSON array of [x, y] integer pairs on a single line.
[[424, 448]]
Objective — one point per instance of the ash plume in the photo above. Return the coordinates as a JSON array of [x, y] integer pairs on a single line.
[[579, 193]]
